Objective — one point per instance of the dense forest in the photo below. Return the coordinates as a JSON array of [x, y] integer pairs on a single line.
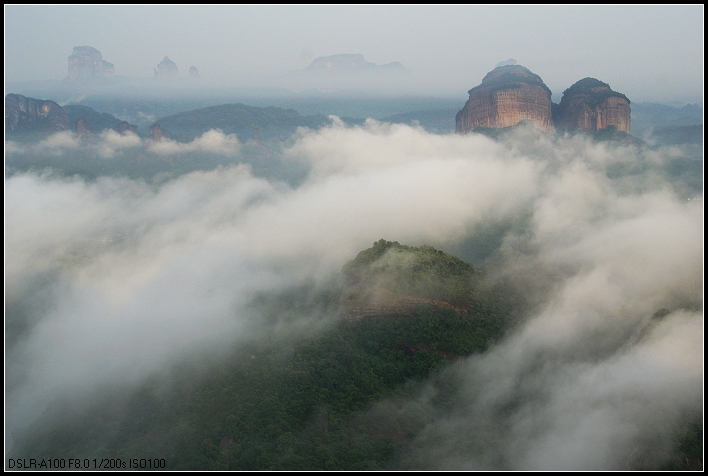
[[278, 403]]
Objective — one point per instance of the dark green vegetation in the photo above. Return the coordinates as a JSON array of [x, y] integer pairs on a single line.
[[592, 98], [97, 120], [290, 403], [264, 159], [242, 120], [504, 77], [422, 272]]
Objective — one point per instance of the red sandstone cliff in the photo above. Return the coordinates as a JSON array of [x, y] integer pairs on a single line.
[[507, 96], [591, 105]]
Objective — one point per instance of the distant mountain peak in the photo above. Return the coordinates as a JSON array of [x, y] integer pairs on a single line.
[[350, 62]]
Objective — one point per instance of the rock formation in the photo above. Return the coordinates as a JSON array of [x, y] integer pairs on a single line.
[[507, 96], [591, 105], [157, 133], [348, 62], [97, 121], [83, 129], [166, 69], [193, 72], [87, 63], [28, 114], [123, 127]]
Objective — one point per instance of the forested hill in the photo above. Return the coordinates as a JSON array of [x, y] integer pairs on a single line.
[[298, 403], [271, 122]]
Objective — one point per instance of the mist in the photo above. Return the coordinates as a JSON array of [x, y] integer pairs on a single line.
[[648, 52], [113, 280]]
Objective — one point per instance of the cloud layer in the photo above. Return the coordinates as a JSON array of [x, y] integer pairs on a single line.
[[111, 144], [133, 277]]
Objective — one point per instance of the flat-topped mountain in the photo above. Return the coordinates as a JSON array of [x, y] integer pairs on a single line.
[[591, 105], [351, 63], [511, 94], [87, 63], [507, 96]]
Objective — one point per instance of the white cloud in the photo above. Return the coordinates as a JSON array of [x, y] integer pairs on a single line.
[[213, 141], [142, 276]]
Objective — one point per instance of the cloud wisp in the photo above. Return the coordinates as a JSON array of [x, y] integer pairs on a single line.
[[111, 144], [134, 277]]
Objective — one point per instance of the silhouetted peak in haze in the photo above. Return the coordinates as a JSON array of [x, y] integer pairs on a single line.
[[87, 64], [350, 63], [166, 69]]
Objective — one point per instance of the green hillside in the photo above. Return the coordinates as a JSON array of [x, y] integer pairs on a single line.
[[296, 404], [272, 122], [97, 120]]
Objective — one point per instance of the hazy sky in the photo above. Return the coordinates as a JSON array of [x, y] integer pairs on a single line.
[[646, 52]]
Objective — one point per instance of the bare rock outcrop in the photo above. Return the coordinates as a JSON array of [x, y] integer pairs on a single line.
[[28, 114], [376, 304], [591, 105], [83, 130], [87, 63], [507, 96], [166, 69], [157, 133]]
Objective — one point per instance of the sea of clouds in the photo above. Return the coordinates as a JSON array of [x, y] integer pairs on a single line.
[[110, 280]]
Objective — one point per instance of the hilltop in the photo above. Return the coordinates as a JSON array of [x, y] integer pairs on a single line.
[[294, 403], [272, 122]]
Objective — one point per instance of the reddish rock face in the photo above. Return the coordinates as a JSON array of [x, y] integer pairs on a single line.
[[591, 105], [507, 96], [83, 129], [157, 133], [87, 62]]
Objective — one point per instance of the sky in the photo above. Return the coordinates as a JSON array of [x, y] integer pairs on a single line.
[[649, 53], [109, 281]]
